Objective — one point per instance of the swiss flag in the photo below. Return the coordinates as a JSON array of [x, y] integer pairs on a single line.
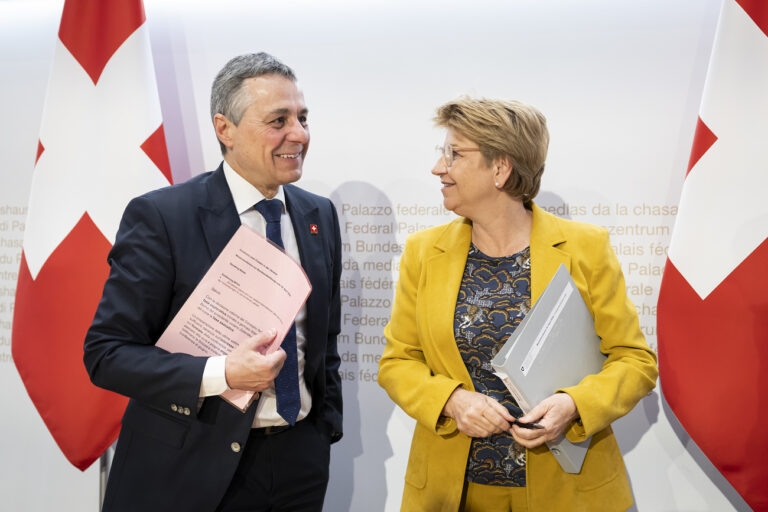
[[101, 143], [713, 302]]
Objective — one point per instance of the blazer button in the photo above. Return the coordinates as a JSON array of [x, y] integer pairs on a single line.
[[235, 447], [174, 407], [186, 411]]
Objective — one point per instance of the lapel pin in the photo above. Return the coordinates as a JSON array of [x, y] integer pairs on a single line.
[[313, 229]]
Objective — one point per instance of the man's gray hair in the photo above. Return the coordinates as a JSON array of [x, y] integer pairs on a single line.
[[229, 97]]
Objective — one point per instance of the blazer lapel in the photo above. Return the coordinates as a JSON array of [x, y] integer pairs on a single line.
[[304, 214], [217, 214], [444, 272], [546, 257]]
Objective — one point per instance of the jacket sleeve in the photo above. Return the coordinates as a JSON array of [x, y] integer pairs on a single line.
[[404, 371], [119, 352], [629, 371]]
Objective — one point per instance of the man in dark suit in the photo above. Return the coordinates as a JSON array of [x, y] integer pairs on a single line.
[[182, 447]]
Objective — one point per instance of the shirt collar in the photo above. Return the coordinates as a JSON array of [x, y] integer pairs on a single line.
[[244, 194]]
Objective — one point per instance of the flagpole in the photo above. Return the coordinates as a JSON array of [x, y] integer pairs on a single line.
[[105, 464]]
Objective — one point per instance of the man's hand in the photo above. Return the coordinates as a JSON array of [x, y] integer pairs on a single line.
[[248, 368], [554, 413], [477, 415]]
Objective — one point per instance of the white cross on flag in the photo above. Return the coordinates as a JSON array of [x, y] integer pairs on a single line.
[[101, 144], [713, 302]]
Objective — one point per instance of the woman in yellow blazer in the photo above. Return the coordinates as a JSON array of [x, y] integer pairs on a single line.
[[451, 315]]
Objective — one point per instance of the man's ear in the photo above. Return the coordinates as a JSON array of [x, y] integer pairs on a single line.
[[224, 128]]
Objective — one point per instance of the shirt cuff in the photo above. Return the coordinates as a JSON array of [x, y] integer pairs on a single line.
[[214, 377]]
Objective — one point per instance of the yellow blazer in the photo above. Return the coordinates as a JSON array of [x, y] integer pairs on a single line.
[[421, 366]]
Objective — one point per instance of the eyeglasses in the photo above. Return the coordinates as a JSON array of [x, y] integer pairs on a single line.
[[448, 153]]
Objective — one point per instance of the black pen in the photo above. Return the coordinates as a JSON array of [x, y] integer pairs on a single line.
[[516, 412], [526, 425]]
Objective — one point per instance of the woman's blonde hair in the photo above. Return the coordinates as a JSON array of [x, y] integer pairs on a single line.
[[503, 129]]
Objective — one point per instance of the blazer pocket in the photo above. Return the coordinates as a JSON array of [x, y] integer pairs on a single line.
[[155, 424], [603, 463], [416, 472]]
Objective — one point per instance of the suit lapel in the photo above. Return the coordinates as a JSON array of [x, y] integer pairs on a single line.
[[443, 279], [218, 217], [546, 256], [304, 214]]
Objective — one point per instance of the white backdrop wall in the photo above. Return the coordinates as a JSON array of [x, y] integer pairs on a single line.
[[619, 81]]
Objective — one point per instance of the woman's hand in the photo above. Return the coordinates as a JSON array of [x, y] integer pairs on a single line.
[[554, 414], [476, 415]]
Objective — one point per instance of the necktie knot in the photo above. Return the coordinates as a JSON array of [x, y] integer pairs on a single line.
[[271, 209]]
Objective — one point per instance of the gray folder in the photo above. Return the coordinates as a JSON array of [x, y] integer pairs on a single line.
[[555, 346]]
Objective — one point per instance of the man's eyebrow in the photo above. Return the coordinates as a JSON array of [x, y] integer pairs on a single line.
[[287, 111]]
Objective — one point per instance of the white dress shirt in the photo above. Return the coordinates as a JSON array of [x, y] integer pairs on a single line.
[[214, 381]]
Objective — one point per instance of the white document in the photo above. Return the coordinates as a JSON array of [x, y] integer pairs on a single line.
[[555, 346]]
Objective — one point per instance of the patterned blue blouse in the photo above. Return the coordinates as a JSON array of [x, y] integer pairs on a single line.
[[494, 297]]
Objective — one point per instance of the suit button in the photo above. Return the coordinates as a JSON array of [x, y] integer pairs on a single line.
[[174, 407], [235, 447], [186, 411]]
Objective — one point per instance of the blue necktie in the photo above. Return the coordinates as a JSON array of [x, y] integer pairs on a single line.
[[287, 381]]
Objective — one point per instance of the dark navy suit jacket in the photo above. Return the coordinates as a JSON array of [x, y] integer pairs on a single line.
[[170, 456]]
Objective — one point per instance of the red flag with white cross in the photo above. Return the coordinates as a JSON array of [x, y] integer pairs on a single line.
[[101, 144], [713, 301]]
